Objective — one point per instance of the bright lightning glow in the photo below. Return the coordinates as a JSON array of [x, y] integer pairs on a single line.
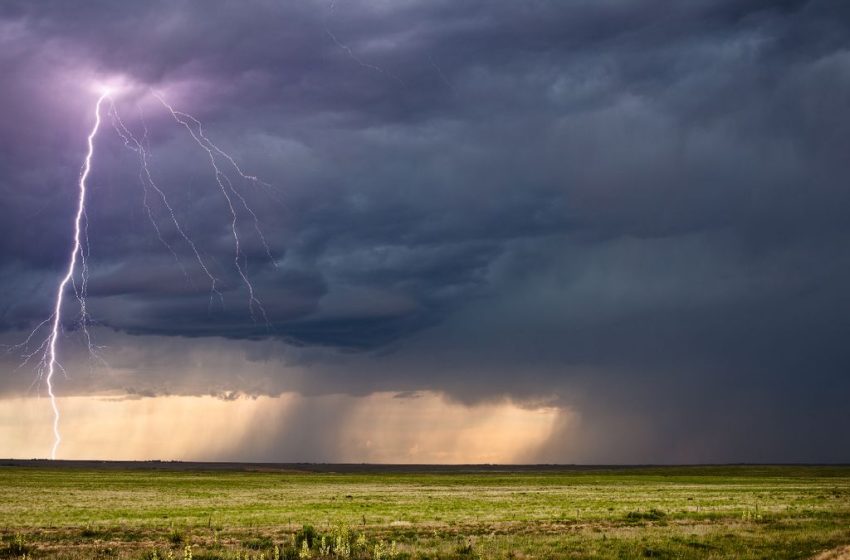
[[112, 86], [50, 357]]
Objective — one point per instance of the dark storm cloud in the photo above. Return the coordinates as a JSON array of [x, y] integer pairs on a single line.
[[636, 209]]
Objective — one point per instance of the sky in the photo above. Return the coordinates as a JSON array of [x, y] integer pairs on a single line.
[[585, 231]]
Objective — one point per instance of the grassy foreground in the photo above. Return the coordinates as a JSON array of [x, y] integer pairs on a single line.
[[683, 512]]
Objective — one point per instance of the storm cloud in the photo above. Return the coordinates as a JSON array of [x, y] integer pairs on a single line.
[[632, 210]]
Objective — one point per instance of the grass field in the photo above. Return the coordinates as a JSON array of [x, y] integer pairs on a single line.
[[682, 512]]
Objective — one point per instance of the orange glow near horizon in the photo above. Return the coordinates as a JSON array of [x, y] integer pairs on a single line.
[[378, 428]]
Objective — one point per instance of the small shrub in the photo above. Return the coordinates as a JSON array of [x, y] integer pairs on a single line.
[[651, 515], [379, 551], [289, 553], [342, 542], [307, 534], [383, 551], [465, 548], [655, 553], [360, 542], [89, 532], [17, 547], [259, 543]]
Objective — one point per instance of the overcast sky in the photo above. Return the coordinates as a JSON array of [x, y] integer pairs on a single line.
[[630, 214]]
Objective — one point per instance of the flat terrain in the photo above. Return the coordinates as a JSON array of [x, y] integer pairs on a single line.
[[163, 510]]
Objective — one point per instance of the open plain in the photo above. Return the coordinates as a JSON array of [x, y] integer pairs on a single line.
[[184, 510]]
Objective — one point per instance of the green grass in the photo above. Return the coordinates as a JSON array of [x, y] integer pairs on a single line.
[[694, 512]]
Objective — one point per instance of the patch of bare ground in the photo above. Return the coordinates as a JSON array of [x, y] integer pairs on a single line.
[[839, 553]]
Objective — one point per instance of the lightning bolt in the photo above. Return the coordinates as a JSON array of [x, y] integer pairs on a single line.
[[131, 142], [47, 351], [227, 189], [441, 74], [76, 272], [350, 52], [49, 358]]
